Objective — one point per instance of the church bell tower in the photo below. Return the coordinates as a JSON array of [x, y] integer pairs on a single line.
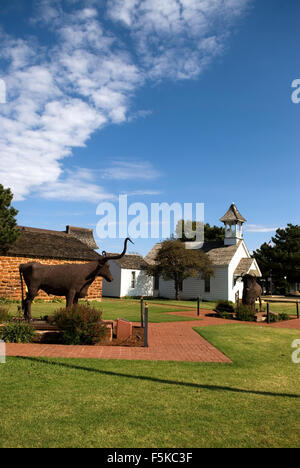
[[233, 221]]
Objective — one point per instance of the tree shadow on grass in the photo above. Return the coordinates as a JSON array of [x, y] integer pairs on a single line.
[[157, 380]]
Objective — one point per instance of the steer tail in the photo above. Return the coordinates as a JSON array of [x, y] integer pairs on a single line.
[[22, 286]]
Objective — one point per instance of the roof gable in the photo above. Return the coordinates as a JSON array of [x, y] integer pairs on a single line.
[[247, 265]]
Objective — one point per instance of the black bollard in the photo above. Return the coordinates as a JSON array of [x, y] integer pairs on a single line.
[[142, 312], [268, 313], [146, 327], [198, 306]]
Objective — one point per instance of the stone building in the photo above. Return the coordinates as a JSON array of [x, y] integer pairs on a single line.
[[74, 245]]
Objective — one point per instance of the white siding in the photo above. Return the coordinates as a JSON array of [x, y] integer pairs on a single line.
[[242, 252], [166, 289], [112, 289], [221, 285], [194, 287], [143, 283]]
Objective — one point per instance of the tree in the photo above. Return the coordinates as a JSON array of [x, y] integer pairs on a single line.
[[8, 224], [211, 233], [281, 261], [214, 233], [175, 262]]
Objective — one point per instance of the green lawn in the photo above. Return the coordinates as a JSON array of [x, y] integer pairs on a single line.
[[158, 308], [288, 308], [253, 402], [127, 309], [210, 305]]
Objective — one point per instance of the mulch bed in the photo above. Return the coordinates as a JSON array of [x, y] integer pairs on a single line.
[[51, 335], [136, 340]]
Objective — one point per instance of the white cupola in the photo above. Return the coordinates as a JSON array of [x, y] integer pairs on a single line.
[[233, 221]]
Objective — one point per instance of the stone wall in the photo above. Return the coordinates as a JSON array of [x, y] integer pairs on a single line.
[[10, 285]]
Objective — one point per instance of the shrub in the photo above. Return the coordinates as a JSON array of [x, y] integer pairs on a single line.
[[4, 300], [4, 315], [80, 324], [224, 307], [226, 315], [283, 316], [274, 318], [245, 313], [17, 332], [279, 317]]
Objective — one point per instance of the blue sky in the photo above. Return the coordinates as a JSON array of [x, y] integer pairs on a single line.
[[173, 101]]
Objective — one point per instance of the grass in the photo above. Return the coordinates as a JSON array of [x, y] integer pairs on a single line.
[[128, 309], [288, 308], [158, 309], [253, 402], [210, 305]]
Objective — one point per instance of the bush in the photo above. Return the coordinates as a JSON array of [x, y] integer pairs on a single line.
[[4, 315], [274, 318], [245, 313], [283, 316], [226, 315], [17, 332], [279, 317], [4, 300], [80, 325], [224, 307]]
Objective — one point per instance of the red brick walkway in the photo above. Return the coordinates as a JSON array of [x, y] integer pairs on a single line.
[[172, 341], [175, 341]]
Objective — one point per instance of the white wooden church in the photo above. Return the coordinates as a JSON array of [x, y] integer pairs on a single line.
[[230, 258]]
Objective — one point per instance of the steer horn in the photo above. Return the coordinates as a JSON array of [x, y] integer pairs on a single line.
[[116, 257]]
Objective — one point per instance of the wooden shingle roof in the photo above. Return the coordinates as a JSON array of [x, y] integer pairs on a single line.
[[131, 262], [218, 253], [43, 243], [244, 266], [232, 215]]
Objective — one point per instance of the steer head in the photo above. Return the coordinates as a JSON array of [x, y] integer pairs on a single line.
[[248, 280], [104, 270]]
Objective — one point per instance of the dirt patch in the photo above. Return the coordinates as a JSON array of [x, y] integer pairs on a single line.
[[136, 340]]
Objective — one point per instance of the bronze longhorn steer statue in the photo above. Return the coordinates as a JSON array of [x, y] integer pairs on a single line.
[[72, 280], [251, 291]]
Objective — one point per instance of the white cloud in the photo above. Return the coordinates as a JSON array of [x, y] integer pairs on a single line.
[[143, 193], [59, 95], [259, 228], [177, 38], [78, 185], [124, 170]]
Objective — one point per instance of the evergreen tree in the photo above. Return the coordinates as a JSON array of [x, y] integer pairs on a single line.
[[8, 225], [281, 261]]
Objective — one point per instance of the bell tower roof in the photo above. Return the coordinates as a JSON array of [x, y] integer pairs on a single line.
[[233, 215]]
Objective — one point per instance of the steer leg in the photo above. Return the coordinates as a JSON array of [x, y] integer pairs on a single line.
[[76, 298], [260, 303], [70, 297], [27, 305]]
